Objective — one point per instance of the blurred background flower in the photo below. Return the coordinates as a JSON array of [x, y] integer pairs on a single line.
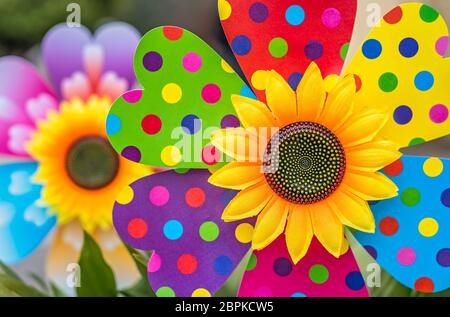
[[23, 24]]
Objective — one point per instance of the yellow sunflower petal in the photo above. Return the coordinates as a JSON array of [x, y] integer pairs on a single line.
[[327, 227], [281, 99], [361, 128], [352, 211], [339, 104], [369, 186], [237, 175], [237, 143], [345, 246], [253, 113], [299, 232], [372, 156], [248, 203], [271, 223], [311, 94]]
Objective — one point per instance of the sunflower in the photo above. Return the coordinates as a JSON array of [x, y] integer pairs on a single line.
[[318, 170], [79, 170], [69, 175]]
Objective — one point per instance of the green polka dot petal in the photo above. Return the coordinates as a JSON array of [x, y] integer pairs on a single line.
[[185, 89]]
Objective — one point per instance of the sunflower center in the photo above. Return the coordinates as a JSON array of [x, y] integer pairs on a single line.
[[92, 163], [304, 163]]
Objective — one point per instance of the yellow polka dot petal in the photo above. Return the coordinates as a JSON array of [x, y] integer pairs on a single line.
[[125, 196], [172, 93], [428, 227], [201, 292], [171, 155], [224, 10], [433, 167], [244, 233], [259, 79]]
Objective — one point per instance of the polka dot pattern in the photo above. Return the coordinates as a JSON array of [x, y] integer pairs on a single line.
[[189, 88], [411, 240], [305, 31], [195, 251], [402, 68], [317, 274]]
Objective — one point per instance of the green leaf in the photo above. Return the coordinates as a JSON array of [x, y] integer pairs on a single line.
[[97, 277], [142, 286], [56, 291], [39, 282], [140, 289], [11, 285], [8, 271]]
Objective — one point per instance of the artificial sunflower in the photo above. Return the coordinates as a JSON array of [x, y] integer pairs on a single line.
[[71, 175], [311, 149], [315, 174]]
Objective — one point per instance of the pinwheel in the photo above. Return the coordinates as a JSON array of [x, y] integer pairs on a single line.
[[66, 172], [308, 150]]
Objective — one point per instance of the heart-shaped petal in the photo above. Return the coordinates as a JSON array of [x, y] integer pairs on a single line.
[[187, 95], [401, 68], [271, 273], [69, 51], [287, 35], [24, 97], [23, 222], [412, 239], [179, 217]]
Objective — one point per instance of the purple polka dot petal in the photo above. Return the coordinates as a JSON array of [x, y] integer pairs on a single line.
[[442, 45]]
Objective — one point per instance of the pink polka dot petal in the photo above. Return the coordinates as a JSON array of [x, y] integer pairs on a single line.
[[159, 196], [211, 93], [133, 96], [192, 62], [439, 113], [406, 256], [154, 264], [318, 274]]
